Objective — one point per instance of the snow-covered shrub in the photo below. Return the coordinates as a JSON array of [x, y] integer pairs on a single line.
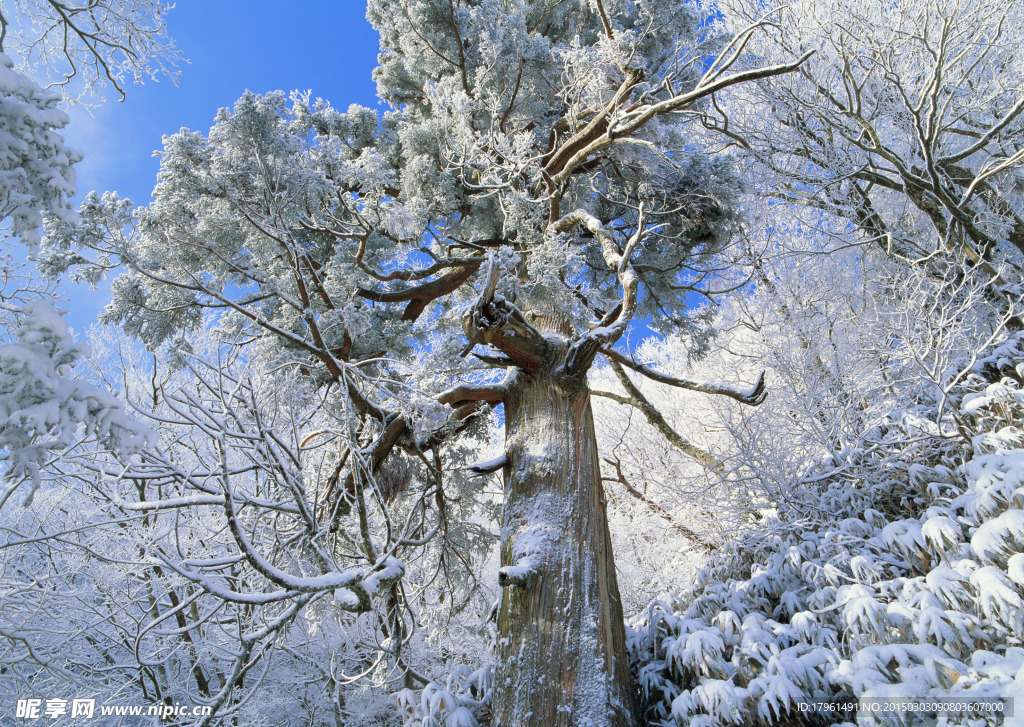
[[903, 577], [464, 699]]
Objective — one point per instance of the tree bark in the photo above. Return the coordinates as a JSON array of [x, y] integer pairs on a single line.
[[562, 649]]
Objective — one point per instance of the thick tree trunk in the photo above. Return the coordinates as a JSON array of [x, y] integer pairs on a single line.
[[561, 650]]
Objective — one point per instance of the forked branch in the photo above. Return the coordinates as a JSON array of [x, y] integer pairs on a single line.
[[582, 351], [495, 321]]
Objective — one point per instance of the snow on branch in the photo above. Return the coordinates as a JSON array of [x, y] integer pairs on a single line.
[[636, 399], [754, 396], [655, 508], [36, 174], [420, 296], [604, 131], [485, 468], [581, 353], [43, 408], [463, 394]]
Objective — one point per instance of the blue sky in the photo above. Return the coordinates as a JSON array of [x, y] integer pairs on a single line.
[[325, 46], [320, 45]]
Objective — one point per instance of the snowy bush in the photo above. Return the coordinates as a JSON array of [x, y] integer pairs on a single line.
[[465, 697], [903, 577]]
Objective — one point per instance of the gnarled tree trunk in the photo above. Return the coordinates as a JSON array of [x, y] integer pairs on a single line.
[[561, 651]]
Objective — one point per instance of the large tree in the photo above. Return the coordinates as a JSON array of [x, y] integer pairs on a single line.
[[533, 192]]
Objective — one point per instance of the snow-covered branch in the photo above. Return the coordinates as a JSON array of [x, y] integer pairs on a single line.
[[754, 396]]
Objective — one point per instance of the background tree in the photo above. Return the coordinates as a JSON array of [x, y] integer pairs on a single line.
[[906, 123], [36, 175], [124, 578], [79, 48], [83, 47], [41, 407]]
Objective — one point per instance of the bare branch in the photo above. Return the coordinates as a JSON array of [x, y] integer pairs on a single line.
[[655, 418], [488, 467], [657, 509]]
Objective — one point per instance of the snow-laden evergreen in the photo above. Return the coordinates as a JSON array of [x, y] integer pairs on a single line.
[[36, 174], [903, 578], [44, 408]]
